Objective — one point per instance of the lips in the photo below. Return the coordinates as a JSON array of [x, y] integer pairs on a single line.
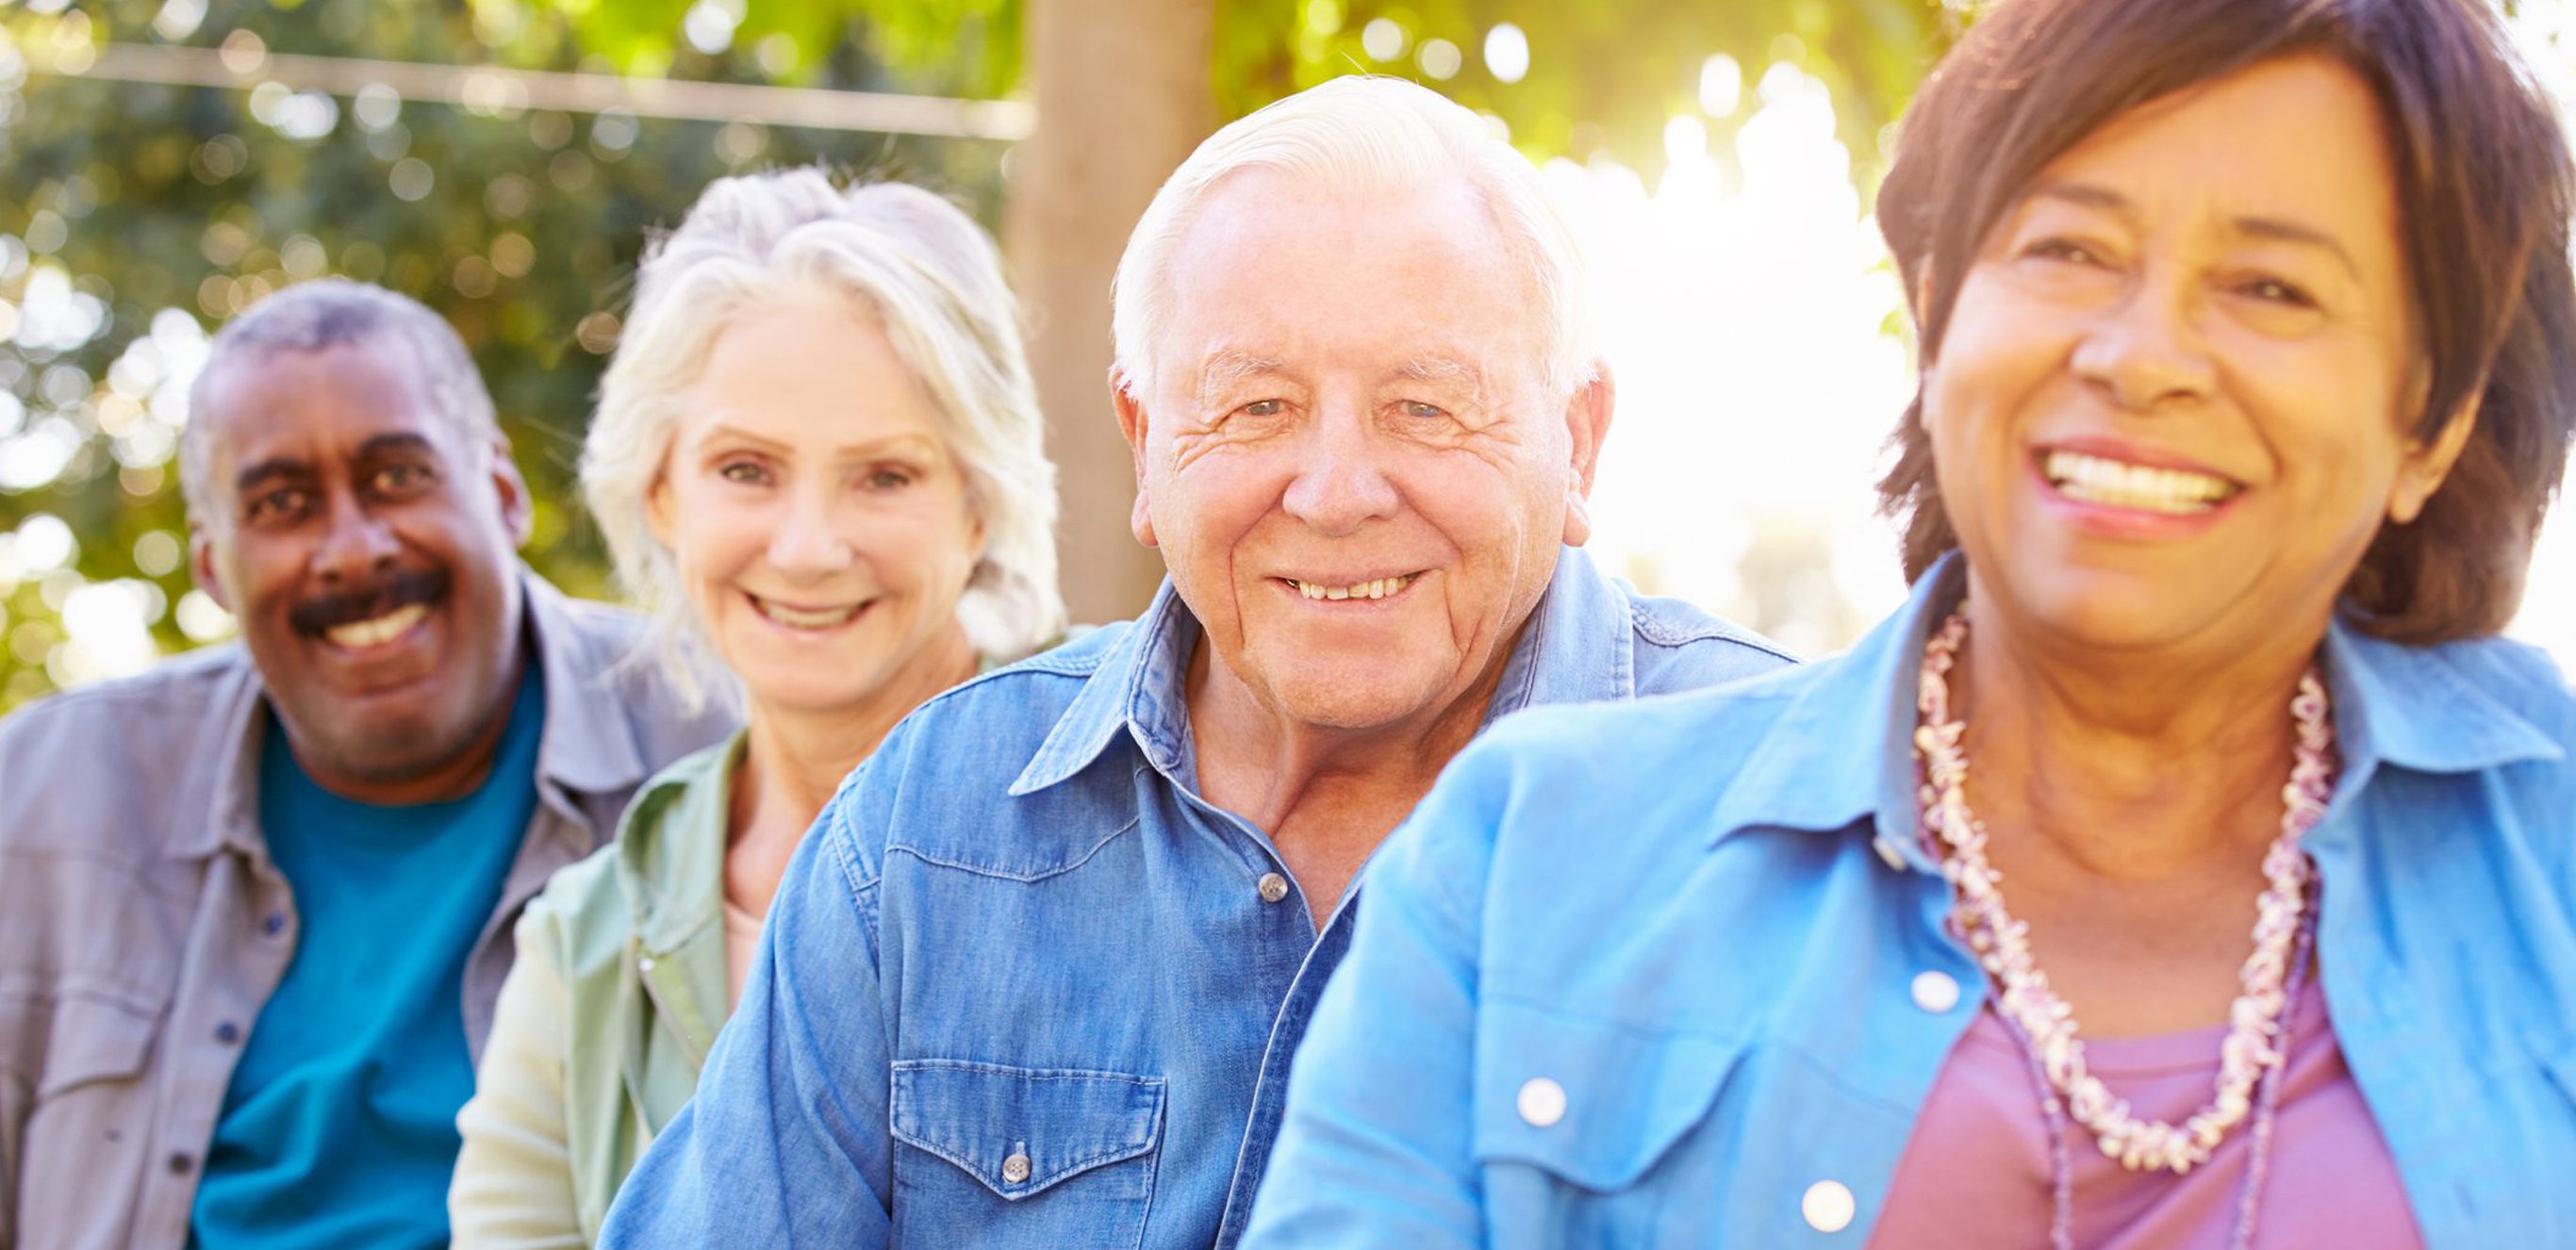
[[376, 615], [809, 617], [376, 631]]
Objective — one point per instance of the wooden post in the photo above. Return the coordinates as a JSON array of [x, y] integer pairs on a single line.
[[1123, 94]]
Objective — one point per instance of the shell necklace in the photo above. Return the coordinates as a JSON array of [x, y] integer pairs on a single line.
[[2254, 1045]]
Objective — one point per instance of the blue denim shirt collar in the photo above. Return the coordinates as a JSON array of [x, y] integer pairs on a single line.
[[2393, 704], [1579, 646]]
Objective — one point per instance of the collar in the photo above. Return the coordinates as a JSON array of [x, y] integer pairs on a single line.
[[2407, 706], [585, 745], [671, 846], [1578, 646]]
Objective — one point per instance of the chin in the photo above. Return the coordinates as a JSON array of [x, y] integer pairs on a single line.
[[1354, 706]]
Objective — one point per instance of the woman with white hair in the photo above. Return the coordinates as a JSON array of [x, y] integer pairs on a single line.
[[817, 460]]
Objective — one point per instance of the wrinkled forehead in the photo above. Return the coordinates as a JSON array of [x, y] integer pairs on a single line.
[[1276, 270]]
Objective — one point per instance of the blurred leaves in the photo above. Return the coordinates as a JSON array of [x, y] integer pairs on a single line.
[[523, 227]]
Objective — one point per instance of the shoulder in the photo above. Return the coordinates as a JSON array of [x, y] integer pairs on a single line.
[[939, 786], [116, 756], [1649, 771], [1681, 646], [2520, 676]]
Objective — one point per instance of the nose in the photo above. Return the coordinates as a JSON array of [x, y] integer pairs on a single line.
[[357, 545], [1341, 483], [806, 542], [2147, 350]]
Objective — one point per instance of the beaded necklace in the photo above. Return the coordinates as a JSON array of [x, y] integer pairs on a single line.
[[2253, 1054]]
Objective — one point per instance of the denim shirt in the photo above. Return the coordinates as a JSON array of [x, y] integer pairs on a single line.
[[1025, 987], [1641, 976]]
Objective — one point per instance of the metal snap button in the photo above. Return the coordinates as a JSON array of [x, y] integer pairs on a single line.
[[1887, 850], [1015, 1169], [1541, 1102], [1936, 992], [1828, 1206], [1273, 887]]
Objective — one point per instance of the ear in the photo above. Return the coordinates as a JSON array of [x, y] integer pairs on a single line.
[[1587, 425], [1132, 425], [201, 563], [2424, 464], [659, 511], [517, 514]]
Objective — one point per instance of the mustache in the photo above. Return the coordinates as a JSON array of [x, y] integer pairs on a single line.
[[392, 591]]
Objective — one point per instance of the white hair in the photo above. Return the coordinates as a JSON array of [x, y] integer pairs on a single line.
[[1362, 134], [924, 269]]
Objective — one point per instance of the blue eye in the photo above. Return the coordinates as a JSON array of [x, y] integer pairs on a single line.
[[1421, 411], [1264, 408]]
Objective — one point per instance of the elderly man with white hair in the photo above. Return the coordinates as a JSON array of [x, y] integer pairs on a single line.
[[1036, 978]]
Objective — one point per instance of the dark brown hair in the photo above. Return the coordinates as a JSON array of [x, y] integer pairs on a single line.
[[2482, 196]]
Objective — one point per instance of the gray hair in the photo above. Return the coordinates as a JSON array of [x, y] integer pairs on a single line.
[[1362, 133], [932, 276], [336, 312]]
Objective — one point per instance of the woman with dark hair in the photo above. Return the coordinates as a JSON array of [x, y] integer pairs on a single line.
[[2244, 388]]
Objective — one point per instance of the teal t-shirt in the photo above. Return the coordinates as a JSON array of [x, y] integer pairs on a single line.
[[339, 1125]]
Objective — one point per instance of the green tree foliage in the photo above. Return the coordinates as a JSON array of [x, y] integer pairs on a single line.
[[120, 203]]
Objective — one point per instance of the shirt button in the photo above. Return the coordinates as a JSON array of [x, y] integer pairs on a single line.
[[180, 1162], [1273, 887], [1015, 1169], [1827, 1206], [1887, 850], [1936, 992], [228, 1032], [1541, 1102], [275, 924]]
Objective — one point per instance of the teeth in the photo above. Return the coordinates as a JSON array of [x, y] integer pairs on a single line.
[[1378, 589], [2092, 479], [378, 631], [798, 618]]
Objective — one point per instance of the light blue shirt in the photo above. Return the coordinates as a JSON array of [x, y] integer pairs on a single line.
[[1024, 986], [1641, 976]]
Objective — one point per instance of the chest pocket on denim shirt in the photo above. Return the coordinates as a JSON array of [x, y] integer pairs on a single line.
[[1015, 1158], [1571, 1113]]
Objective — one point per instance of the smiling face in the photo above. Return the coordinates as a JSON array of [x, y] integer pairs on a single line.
[[820, 527], [2173, 403], [1348, 454], [365, 540]]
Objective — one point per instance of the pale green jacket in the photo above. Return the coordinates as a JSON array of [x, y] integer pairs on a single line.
[[603, 1022]]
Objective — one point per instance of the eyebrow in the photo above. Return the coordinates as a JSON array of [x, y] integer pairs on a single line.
[[919, 443], [2275, 229], [1226, 368], [275, 468], [395, 444], [1440, 369]]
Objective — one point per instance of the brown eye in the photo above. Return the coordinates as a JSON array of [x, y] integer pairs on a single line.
[[1264, 408], [742, 472]]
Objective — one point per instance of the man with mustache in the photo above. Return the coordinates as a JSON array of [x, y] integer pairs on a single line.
[[255, 905]]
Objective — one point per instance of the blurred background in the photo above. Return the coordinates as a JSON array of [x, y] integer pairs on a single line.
[[166, 163]]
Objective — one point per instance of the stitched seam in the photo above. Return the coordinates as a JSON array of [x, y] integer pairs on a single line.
[[1659, 633], [980, 870]]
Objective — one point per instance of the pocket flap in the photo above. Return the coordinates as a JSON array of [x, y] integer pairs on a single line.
[[1593, 1101], [1020, 1130], [93, 1039]]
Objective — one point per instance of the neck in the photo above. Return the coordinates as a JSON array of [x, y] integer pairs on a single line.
[[2133, 766], [794, 759], [452, 778], [1265, 765]]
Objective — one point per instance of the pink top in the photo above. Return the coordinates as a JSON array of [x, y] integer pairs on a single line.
[[1975, 1176]]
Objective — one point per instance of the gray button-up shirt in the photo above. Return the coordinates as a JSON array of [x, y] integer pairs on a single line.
[[143, 926]]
